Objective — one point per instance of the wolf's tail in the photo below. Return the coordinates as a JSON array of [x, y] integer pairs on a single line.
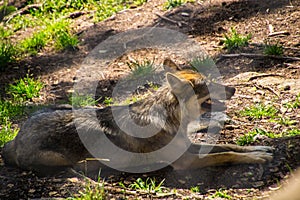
[[9, 154]]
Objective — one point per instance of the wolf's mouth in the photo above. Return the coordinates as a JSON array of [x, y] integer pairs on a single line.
[[213, 105]]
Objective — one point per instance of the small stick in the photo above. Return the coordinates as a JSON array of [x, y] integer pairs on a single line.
[[278, 33], [250, 55], [266, 88], [171, 20], [21, 11], [263, 75]]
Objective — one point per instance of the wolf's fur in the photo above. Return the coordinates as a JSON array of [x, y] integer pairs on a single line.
[[49, 140]]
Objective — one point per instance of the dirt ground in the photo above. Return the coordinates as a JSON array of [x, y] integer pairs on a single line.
[[256, 78]]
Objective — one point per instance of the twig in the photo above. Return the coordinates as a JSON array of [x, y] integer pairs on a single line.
[[271, 34], [258, 86], [171, 20], [21, 11], [250, 55], [266, 88], [263, 75], [76, 14]]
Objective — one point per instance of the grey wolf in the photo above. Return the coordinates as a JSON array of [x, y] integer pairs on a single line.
[[48, 141]]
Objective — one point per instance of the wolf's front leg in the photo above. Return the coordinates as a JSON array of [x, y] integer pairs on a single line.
[[193, 161], [205, 148]]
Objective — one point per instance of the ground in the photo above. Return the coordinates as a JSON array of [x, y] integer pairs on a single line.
[[256, 78]]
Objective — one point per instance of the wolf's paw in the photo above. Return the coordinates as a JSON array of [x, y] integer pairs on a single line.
[[260, 156], [262, 148]]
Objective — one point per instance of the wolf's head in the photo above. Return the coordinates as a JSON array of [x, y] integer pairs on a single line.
[[192, 87]]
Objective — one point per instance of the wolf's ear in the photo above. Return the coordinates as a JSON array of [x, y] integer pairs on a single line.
[[177, 85], [170, 66]]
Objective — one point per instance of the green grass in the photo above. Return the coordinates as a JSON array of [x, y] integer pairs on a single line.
[[141, 69], [102, 9], [204, 65], [78, 100], [220, 194], [259, 111], [7, 53], [170, 4], [235, 40], [294, 104], [60, 32], [65, 40], [25, 89], [195, 189], [5, 33], [35, 43], [52, 26], [6, 10], [62, 6], [284, 121], [20, 92], [273, 49], [108, 101], [251, 136], [7, 50], [292, 132], [8, 111], [149, 185], [7, 132], [23, 22], [91, 192]]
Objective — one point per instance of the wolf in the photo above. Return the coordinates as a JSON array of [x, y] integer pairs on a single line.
[[49, 141]]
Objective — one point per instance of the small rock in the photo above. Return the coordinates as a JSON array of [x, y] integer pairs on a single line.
[[258, 184], [184, 14], [287, 87], [52, 193], [181, 181], [275, 169], [73, 180], [31, 191]]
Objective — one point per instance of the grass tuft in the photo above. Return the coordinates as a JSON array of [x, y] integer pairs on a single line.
[[66, 41], [259, 111], [236, 40], [141, 69], [7, 53], [195, 189], [294, 104], [108, 101], [8, 111], [221, 194], [149, 185], [35, 43], [204, 65], [170, 4], [251, 136], [7, 132], [6, 10], [78, 100], [92, 192], [273, 49], [25, 89]]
